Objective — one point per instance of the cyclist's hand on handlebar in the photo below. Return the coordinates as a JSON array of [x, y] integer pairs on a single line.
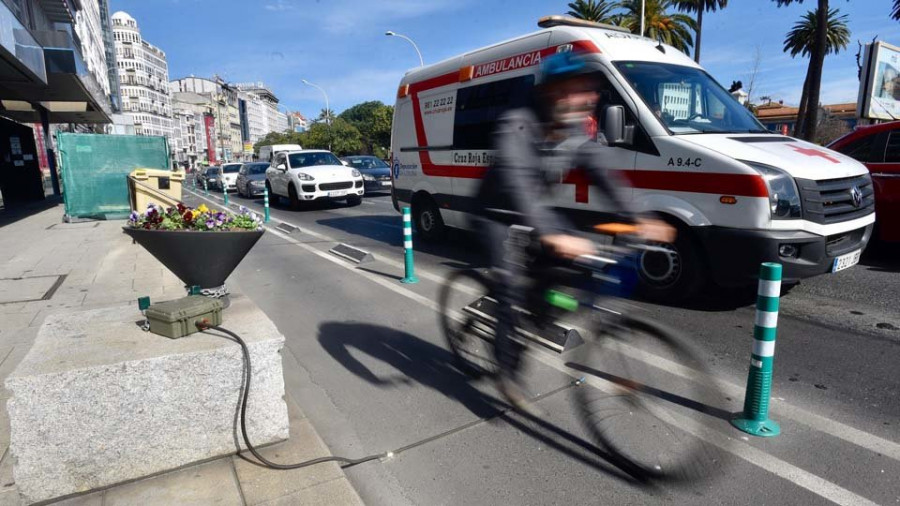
[[655, 230], [568, 246]]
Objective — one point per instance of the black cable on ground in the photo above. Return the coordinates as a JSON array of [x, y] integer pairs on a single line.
[[245, 393]]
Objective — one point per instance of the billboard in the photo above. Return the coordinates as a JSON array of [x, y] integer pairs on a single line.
[[879, 84], [209, 123]]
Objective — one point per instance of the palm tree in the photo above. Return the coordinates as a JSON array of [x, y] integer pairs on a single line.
[[673, 29], [895, 11], [701, 6], [592, 10], [801, 40], [807, 117]]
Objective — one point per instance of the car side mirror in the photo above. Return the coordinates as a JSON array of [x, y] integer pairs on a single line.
[[614, 125]]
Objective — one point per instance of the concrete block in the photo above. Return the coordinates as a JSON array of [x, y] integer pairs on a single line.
[[97, 401]]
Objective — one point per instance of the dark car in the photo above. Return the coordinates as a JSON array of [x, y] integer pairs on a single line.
[[251, 179], [878, 148], [376, 174], [210, 175]]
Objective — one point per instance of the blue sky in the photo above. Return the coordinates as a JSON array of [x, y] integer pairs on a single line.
[[340, 44]]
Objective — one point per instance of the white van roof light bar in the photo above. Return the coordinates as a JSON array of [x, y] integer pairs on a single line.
[[557, 20]]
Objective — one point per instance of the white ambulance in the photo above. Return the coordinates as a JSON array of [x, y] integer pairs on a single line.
[[693, 155]]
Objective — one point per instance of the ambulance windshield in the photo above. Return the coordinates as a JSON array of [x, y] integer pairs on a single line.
[[687, 100]]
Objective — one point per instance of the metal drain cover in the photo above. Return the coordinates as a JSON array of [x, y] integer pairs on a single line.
[[29, 289]]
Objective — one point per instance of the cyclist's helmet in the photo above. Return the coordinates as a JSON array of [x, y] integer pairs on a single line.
[[562, 66]]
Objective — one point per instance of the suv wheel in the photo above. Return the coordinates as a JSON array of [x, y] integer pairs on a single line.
[[292, 196]]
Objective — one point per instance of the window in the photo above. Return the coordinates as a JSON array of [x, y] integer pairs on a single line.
[[310, 159], [478, 107], [279, 159], [892, 152], [860, 149]]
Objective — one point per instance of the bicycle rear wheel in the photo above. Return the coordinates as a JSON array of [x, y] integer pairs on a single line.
[[645, 388], [466, 317]]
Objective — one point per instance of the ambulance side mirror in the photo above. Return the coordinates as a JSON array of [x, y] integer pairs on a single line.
[[614, 125]]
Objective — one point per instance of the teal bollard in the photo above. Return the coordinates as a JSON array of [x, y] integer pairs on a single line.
[[755, 417], [266, 204], [410, 276], [205, 188], [226, 197]]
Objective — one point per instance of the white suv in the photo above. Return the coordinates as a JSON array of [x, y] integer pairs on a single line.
[[312, 174]]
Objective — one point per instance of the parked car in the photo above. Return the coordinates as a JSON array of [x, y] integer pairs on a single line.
[[228, 180], [210, 175], [313, 174], [251, 179], [878, 148], [376, 174]]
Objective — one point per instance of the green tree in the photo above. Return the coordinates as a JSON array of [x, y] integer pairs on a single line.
[[599, 11], [807, 118], [277, 138], [673, 29], [373, 120], [340, 137], [699, 7], [802, 40]]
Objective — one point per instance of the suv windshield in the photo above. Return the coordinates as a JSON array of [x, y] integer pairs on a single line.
[[309, 159], [366, 162], [232, 167], [687, 100]]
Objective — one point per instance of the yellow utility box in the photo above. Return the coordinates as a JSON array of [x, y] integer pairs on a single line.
[[157, 186]]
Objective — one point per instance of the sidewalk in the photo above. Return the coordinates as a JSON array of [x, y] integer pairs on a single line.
[[48, 266]]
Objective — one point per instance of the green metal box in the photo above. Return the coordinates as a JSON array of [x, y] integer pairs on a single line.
[[178, 318]]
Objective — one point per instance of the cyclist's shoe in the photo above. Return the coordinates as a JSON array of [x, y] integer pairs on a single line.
[[516, 397]]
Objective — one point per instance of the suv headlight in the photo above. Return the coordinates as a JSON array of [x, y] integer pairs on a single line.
[[257, 183], [368, 177], [304, 177], [784, 198], [354, 172]]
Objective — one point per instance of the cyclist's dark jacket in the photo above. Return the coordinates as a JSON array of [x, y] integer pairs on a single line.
[[515, 188]]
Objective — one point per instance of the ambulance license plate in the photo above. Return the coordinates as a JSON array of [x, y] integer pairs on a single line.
[[844, 261]]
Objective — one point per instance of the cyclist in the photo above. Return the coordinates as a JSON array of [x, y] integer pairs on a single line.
[[536, 146]]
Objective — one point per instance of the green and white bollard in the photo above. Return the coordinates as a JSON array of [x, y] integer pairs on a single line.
[[408, 248], [755, 417], [226, 196], [266, 204], [205, 188]]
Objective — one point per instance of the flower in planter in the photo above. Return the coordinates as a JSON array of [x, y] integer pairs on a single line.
[[202, 218]]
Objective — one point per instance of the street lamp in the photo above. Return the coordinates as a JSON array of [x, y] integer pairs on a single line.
[[327, 109], [393, 34]]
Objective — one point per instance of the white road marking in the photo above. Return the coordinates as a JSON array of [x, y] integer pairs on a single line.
[[757, 457]]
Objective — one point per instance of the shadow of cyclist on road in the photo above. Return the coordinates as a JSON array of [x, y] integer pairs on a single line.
[[418, 361]]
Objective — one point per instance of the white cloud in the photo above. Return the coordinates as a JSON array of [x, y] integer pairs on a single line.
[[280, 5]]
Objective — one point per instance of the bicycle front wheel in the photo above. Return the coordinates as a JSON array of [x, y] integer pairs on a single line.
[[646, 392], [466, 309]]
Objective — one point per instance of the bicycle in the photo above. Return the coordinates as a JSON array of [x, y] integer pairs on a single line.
[[643, 375]]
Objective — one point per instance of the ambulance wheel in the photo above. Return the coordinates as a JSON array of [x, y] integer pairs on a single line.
[[675, 274], [429, 224]]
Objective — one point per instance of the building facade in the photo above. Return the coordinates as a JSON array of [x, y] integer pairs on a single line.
[[260, 113], [297, 122], [143, 78], [220, 102]]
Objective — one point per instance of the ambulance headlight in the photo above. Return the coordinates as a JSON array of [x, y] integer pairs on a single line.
[[784, 199]]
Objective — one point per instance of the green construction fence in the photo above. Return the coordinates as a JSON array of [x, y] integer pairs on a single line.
[[94, 169]]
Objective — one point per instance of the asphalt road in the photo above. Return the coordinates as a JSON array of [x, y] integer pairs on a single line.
[[365, 359]]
